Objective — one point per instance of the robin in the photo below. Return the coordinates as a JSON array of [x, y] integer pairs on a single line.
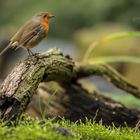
[[31, 33]]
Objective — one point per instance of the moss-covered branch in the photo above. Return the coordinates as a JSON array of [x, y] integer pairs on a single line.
[[20, 85], [110, 75]]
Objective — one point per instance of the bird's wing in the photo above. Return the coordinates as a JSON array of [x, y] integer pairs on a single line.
[[29, 34], [26, 32]]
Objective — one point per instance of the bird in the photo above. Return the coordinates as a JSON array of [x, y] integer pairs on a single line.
[[31, 33]]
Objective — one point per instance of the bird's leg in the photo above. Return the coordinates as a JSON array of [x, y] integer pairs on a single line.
[[30, 52]]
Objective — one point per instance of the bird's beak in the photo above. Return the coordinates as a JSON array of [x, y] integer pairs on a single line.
[[51, 16]]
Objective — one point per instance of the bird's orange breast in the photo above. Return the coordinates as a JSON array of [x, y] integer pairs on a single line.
[[45, 23]]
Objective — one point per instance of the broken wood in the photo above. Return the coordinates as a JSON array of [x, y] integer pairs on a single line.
[[20, 85]]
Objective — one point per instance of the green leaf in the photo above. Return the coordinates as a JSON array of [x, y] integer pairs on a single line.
[[106, 39]]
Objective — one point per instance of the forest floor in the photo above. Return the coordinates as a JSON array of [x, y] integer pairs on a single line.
[[29, 129]]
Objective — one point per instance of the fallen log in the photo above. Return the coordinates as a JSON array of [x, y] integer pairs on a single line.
[[73, 102]]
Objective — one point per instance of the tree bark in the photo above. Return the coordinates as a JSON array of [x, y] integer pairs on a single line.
[[20, 85]]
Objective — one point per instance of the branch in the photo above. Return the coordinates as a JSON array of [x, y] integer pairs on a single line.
[[110, 75]]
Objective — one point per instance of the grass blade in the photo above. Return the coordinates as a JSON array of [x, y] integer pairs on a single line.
[[106, 39], [114, 59]]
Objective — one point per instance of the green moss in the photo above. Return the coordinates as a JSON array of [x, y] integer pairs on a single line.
[[34, 130]]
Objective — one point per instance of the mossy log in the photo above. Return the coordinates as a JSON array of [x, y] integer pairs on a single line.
[[75, 103]]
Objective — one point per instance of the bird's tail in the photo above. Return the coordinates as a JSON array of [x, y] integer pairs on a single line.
[[5, 49]]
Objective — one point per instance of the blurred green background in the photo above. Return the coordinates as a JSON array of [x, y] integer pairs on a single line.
[[77, 24], [70, 14]]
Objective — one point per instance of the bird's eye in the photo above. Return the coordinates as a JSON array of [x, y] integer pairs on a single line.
[[45, 16]]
